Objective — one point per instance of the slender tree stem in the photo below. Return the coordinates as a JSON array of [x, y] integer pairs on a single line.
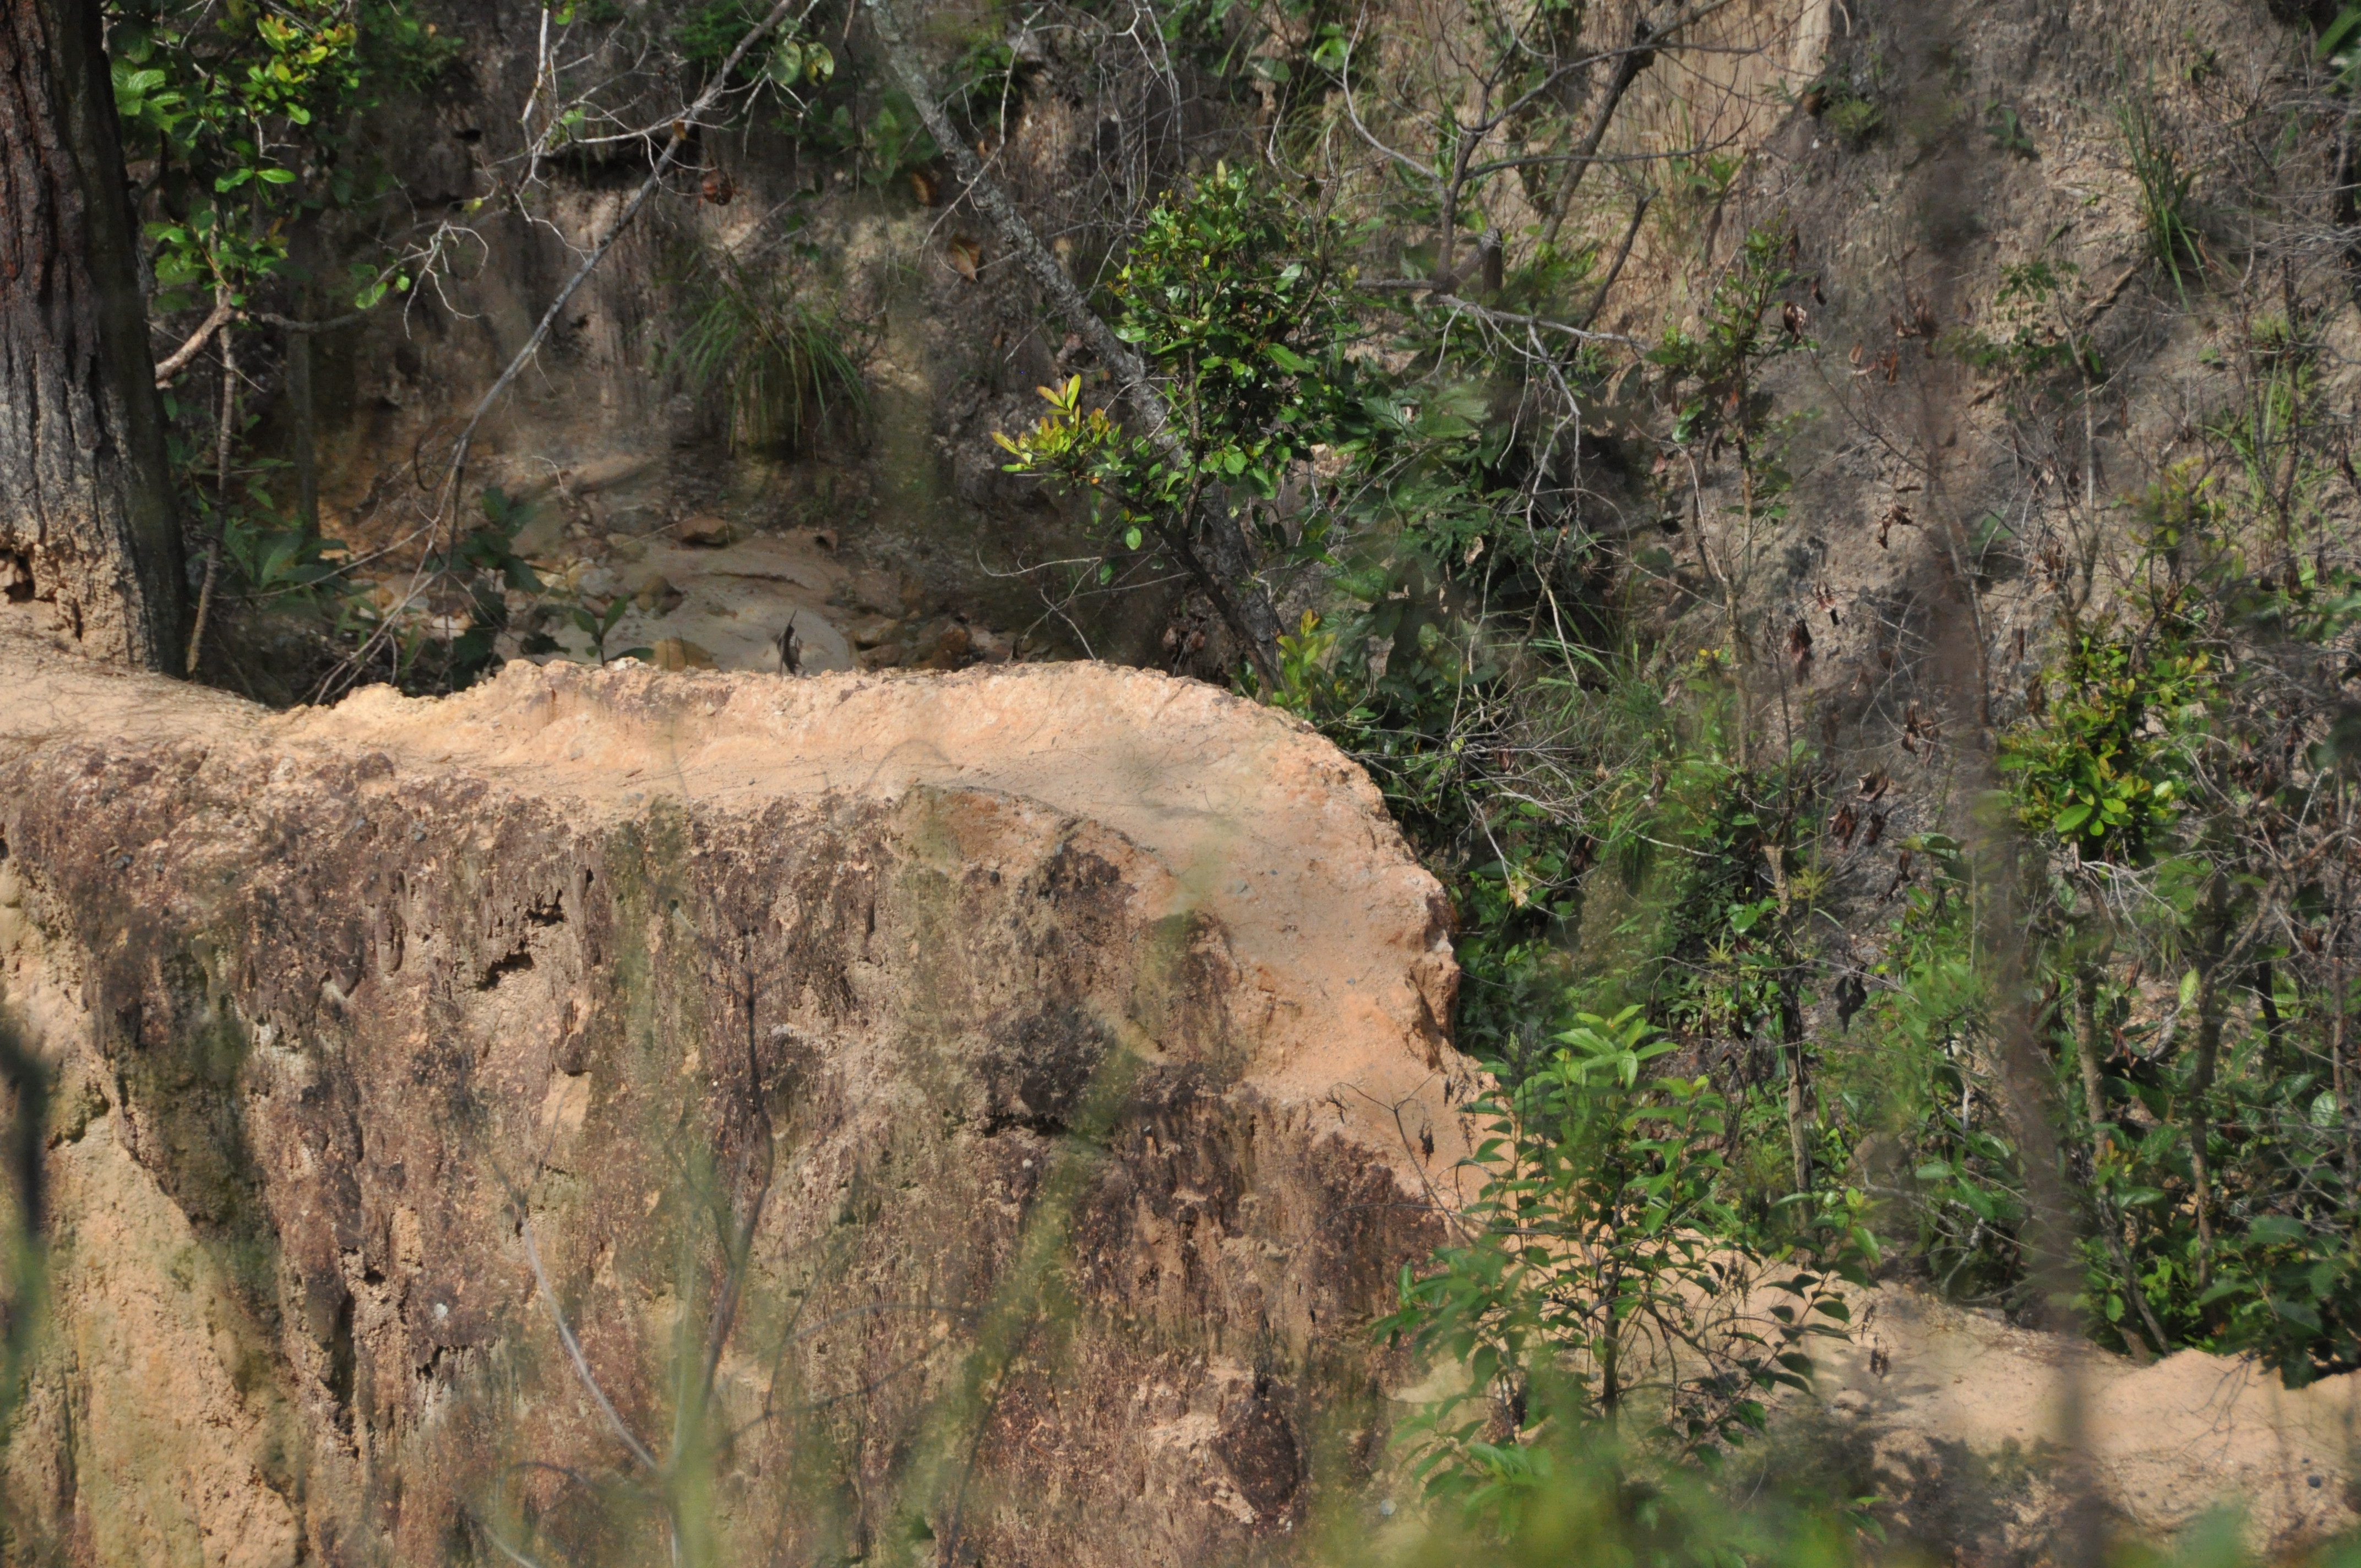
[[2086, 1041], [2200, 1088], [2337, 1048], [227, 423], [1799, 1142], [1622, 255], [307, 464]]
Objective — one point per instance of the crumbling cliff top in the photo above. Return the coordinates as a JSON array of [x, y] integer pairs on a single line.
[[1268, 829]]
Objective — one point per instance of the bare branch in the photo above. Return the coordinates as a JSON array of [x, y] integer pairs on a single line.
[[1225, 570], [172, 364], [715, 89]]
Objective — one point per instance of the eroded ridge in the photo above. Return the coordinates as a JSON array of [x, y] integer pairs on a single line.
[[1003, 1092]]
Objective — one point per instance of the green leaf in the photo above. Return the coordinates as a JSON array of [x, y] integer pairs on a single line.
[[2231, 1285], [2338, 31]]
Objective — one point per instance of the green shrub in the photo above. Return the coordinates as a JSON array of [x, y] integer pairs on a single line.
[[1854, 120], [1599, 1292], [2167, 188]]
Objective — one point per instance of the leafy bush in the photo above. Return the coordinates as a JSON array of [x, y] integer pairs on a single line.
[[2102, 766], [1230, 293], [249, 116], [1599, 1289], [1855, 121], [2033, 336]]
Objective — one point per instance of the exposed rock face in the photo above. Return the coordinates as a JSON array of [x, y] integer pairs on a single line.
[[1052, 1045]]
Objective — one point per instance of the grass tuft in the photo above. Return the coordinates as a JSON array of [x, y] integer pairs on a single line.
[[2168, 211], [785, 365]]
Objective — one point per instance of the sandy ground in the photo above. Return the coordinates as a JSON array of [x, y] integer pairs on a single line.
[[2166, 1442]]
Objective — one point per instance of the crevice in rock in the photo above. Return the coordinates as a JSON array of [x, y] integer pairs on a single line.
[[518, 961]]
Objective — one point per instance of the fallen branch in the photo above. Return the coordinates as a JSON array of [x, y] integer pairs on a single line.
[[1225, 569], [224, 313], [574, 1350], [1436, 296], [289, 324]]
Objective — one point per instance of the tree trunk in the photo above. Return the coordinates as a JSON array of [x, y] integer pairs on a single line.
[[1799, 1118], [86, 517]]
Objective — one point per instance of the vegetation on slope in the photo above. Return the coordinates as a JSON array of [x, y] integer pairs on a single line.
[[2086, 1057]]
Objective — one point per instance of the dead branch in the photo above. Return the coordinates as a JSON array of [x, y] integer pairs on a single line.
[[574, 1349], [1225, 568], [178, 360]]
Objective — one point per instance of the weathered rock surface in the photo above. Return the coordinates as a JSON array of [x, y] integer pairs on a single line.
[[1052, 1045], [1980, 1434]]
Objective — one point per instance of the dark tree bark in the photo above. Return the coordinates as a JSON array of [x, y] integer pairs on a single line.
[[86, 516]]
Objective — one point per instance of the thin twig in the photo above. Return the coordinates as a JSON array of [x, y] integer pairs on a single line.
[[1622, 255], [574, 1349], [289, 324]]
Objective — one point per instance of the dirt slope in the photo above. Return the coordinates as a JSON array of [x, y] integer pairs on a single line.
[[1973, 1427]]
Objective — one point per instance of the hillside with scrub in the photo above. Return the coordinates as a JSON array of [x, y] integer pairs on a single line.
[[1556, 781]]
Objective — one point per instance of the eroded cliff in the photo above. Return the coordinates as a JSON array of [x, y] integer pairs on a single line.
[[1009, 1093]]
